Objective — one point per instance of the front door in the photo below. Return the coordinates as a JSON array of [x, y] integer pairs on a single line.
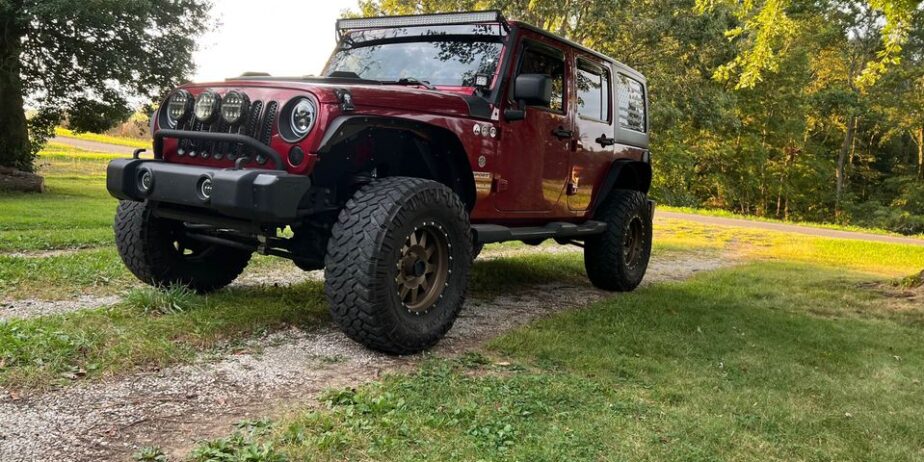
[[533, 160]]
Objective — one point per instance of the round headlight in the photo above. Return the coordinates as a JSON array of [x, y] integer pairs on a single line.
[[302, 117], [234, 107], [178, 107], [207, 106]]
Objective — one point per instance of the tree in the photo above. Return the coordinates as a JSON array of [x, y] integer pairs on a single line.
[[807, 139], [87, 60], [766, 27]]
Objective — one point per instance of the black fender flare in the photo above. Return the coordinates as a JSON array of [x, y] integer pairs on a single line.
[[345, 127], [623, 174]]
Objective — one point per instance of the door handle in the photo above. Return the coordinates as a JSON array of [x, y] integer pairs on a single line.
[[604, 141], [562, 132]]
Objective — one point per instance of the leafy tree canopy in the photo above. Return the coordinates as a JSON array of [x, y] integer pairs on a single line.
[[87, 60], [767, 28]]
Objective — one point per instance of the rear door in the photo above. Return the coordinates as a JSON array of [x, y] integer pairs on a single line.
[[534, 153], [594, 127]]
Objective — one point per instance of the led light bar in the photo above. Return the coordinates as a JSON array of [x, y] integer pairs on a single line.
[[441, 19]]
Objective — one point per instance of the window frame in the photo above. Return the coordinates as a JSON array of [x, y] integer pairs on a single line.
[[528, 45], [644, 89], [604, 72]]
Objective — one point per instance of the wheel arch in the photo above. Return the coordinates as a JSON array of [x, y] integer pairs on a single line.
[[623, 174], [435, 147]]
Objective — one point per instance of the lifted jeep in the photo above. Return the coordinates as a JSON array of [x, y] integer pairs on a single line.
[[428, 137]]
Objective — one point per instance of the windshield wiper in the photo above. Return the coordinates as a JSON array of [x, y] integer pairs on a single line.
[[413, 81]]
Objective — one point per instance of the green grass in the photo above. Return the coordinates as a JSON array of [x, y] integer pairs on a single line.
[[74, 212], [41, 352], [872, 257], [726, 214], [157, 328], [769, 361], [121, 141]]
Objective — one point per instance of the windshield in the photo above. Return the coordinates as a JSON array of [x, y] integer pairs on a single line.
[[442, 63]]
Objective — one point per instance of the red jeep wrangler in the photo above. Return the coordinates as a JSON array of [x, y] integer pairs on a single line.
[[426, 138]]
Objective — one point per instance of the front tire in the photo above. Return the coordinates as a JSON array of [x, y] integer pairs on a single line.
[[157, 252], [397, 264], [617, 259]]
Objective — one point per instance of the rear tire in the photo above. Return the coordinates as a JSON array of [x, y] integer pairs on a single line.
[[617, 259], [157, 252], [397, 264]]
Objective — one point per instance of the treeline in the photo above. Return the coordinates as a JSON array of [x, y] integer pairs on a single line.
[[808, 140]]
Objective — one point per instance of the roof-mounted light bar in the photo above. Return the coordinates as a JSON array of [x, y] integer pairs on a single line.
[[440, 19]]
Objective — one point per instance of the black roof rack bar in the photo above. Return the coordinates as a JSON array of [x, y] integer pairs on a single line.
[[436, 19]]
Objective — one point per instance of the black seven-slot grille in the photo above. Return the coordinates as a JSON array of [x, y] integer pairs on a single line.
[[259, 125]]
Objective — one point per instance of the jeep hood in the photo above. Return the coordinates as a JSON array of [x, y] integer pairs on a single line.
[[368, 95]]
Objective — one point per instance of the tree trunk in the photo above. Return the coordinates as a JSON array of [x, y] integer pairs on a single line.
[[15, 148], [921, 153], [841, 172]]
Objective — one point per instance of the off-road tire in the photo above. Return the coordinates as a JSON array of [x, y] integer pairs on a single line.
[[609, 265], [149, 247], [364, 257]]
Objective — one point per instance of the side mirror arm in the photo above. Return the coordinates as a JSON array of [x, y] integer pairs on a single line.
[[516, 114]]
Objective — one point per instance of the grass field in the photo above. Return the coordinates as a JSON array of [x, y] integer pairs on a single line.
[[769, 361], [727, 214], [804, 351], [121, 141]]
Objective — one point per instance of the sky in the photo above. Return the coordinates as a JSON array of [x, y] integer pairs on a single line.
[[282, 37]]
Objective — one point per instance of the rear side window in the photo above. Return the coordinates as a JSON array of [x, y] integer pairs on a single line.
[[593, 92], [631, 97], [540, 61]]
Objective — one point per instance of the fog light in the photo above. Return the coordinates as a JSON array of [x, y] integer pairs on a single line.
[[205, 188], [146, 181]]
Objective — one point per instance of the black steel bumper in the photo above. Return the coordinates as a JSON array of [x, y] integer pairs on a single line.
[[268, 196]]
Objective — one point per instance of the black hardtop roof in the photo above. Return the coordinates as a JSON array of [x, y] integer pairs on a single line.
[[620, 65], [496, 17]]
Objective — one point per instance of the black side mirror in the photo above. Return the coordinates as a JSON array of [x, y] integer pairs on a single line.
[[534, 89], [530, 90]]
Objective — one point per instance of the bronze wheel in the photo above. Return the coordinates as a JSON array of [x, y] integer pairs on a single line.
[[618, 258], [397, 264], [423, 268], [634, 243]]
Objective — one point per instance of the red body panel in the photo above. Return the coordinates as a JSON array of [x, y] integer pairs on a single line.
[[524, 175]]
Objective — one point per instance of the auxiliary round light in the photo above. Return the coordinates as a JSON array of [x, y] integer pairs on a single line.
[[178, 107], [206, 107], [205, 188], [146, 181], [234, 107]]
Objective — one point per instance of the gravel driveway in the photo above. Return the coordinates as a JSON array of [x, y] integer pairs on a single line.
[[175, 407]]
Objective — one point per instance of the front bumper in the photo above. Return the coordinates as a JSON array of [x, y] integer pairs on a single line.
[[267, 196]]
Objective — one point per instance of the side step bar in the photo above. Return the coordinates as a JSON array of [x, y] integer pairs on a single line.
[[486, 234]]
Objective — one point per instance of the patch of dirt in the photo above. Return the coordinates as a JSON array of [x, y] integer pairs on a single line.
[[27, 308], [904, 299], [176, 407], [46, 253], [283, 275]]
